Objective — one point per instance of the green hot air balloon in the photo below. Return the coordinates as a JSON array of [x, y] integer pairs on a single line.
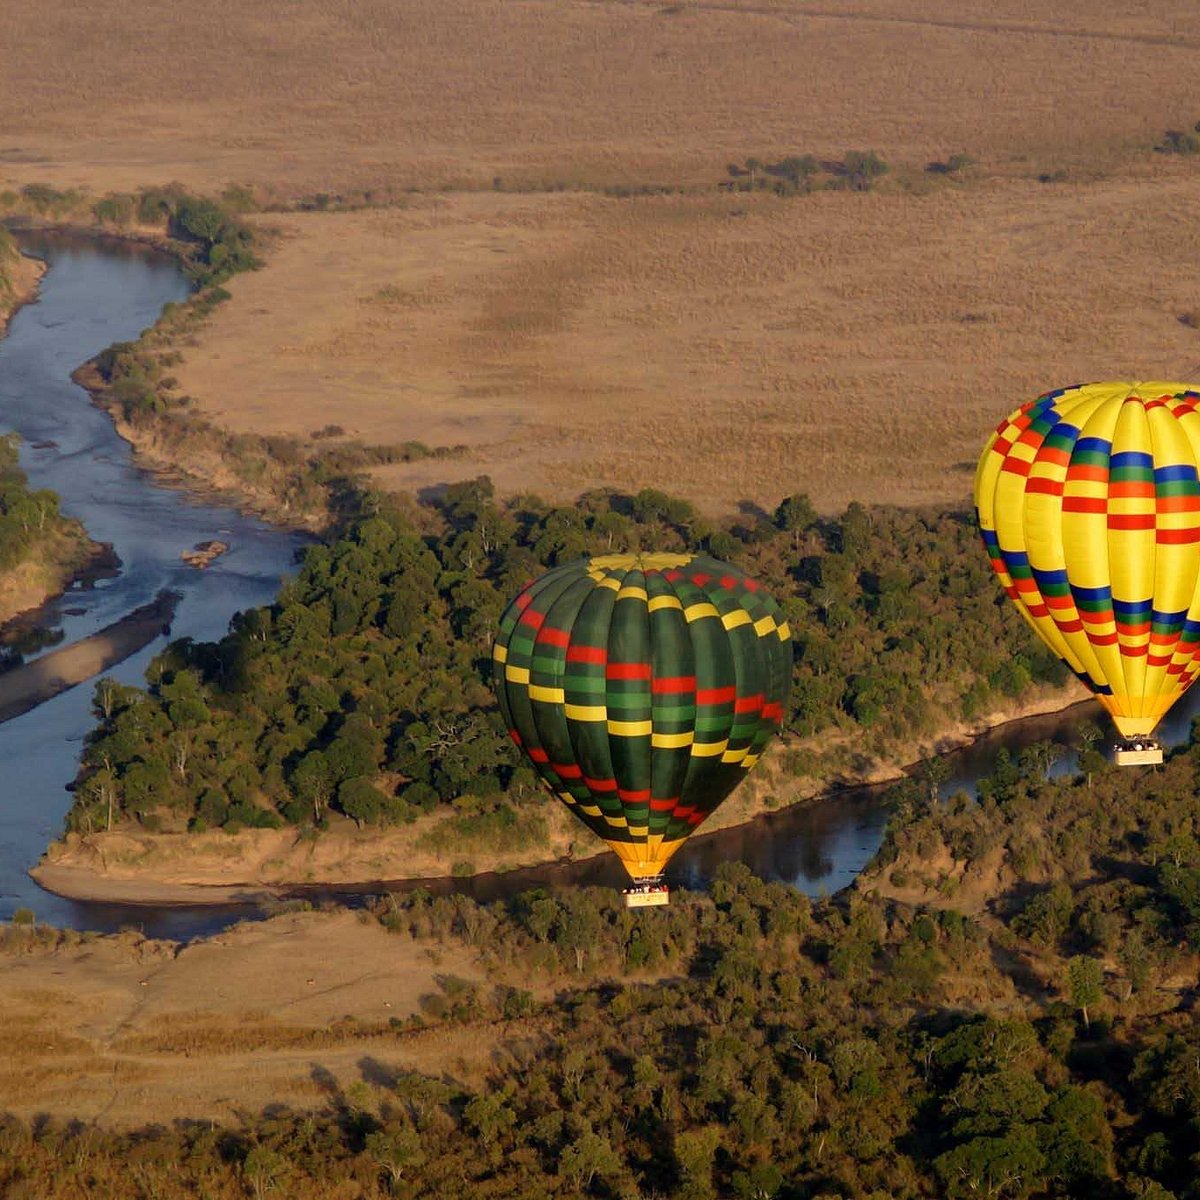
[[643, 687]]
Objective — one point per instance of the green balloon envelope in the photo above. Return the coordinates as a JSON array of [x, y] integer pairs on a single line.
[[643, 688]]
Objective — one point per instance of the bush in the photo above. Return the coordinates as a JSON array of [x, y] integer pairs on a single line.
[[1177, 141]]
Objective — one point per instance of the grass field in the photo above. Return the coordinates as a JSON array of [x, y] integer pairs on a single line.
[[123, 1031], [727, 348], [730, 348], [328, 94]]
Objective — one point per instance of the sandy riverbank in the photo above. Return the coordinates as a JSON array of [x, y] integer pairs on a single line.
[[26, 274], [135, 867], [33, 683]]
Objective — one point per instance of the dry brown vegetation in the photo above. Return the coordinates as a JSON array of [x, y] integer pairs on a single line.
[[726, 347], [722, 347], [124, 1031], [329, 94]]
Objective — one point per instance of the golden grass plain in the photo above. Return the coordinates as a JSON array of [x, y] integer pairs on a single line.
[[725, 348], [330, 94], [728, 348], [122, 1031]]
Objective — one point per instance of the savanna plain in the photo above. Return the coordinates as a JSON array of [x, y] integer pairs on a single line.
[[528, 236]]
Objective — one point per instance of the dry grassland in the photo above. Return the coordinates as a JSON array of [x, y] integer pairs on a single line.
[[724, 348], [727, 348], [328, 94], [126, 1032]]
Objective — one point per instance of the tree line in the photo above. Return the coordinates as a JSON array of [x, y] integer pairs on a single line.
[[364, 692], [754, 1044]]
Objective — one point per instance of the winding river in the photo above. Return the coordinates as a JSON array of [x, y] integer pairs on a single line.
[[99, 292], [96, 293]]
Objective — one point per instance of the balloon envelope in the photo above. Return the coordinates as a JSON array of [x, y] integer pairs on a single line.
[[1089, 504], [643, 687]]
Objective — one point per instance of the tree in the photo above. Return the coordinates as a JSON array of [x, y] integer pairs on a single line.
[[796, 515], [995, 1167], [264, 1168], [396, 1150], [863, 168], [489, 1117], [587, 1156], [1085, 980], [695, 1150], [361, 800], [313, 781]]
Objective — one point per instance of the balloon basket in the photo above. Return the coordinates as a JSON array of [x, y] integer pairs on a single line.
[[1142, 753], [648, 894]]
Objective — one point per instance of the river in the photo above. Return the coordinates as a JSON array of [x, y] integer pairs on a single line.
[[96, 293], [99, 292]]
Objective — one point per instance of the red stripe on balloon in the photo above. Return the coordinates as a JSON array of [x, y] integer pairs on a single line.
[[670, 685], [627, 671], [1044, 487], [587, 654], [533, 618]]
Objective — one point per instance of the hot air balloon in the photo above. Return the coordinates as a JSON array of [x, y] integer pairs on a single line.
[[1089, 504], [643, 687]]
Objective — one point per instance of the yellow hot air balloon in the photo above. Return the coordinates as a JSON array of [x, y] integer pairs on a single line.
[[1089, 504]]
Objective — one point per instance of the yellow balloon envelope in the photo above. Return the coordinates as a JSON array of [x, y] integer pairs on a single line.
[[1089, 504]]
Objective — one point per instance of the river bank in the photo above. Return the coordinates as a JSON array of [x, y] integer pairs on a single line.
[[24, 274], [97, 293], [194, 460], [137, 867], [67, 556], [25, 687]]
